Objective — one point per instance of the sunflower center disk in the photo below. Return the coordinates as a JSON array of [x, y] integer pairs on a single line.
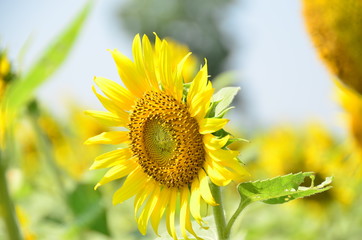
[[158, 141], [165, 139]]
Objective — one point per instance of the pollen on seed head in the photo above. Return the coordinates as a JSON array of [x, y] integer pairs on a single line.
[[165, 140]]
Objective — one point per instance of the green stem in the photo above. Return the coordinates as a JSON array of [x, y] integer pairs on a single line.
[[7, 208], [219, 214], [46, 149], [231, 222]]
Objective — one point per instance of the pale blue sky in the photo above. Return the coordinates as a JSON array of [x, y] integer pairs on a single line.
[[282, 78]]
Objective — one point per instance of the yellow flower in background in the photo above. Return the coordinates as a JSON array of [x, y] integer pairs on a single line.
[[4, 71], [336, 30], [351, 102], [25, 225], [177, 53], [170, 151], [278, 152], [82, 127], [30, 157], [312, 148]]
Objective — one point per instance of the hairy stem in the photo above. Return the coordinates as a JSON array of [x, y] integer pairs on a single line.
[[7, 209], [219, 214]]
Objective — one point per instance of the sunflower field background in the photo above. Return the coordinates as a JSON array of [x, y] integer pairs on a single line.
[[298, 64]]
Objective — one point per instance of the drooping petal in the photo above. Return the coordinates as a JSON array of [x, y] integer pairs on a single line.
[[189, 224], [239, 173], [161, 206], [115, 137], [185, 222], [110, 159], [133, 184], [170, 215], [215, 175], [205, 189], [210, 125], [195, 201], [148, 210]]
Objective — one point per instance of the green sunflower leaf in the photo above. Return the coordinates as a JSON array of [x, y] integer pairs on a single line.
[[282, 189], [22, 90], [221, 101]]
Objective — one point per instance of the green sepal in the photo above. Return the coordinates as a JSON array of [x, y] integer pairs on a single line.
[[220, 102], [232, 140], [224, 98], [185, 91], [281, 189], [221, 133]]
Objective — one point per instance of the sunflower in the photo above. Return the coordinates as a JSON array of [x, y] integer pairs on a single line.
[[351, 101], [172, 145], [335, 28]]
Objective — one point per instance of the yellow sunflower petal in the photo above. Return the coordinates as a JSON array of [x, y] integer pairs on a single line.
[[210, 125], [226, 172], [165, 70], [137, 53], [205, 189], [200, 104], [121, 96], [220, 154], [214, 143], [185, 222], [215, 174], [115, 137], [183, 208], [189, 224], [133, 184], [195, 201], [143, 195], [108, 118], [198, 84], [170, 216], [116, 172], [148, 210], [178, 83], [161, 206], [110, 159], [109, 104], [235, 166], [148, 55], [129, 74]]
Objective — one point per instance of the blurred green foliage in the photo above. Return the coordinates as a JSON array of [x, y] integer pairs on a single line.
[[197, 24]]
